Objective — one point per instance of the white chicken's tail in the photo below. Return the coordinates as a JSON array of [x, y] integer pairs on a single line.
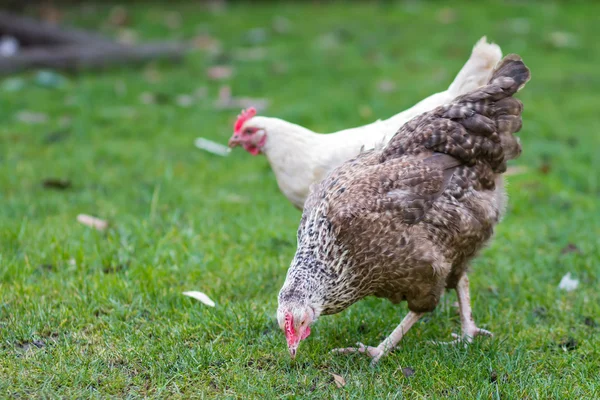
[[478, 69]]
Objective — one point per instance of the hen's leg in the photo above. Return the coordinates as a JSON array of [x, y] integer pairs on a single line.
[[389, 343], [468, 327]]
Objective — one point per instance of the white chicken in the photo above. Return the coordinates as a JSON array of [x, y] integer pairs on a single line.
[[300, 157]]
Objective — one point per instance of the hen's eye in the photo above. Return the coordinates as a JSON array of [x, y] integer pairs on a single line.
[[248, 131]]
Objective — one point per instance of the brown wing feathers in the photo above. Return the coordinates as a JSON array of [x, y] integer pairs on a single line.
[[478, 126]]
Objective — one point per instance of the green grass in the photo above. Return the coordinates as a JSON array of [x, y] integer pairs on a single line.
[[89, 314]]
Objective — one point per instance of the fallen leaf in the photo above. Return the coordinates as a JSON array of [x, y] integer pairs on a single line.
[[408, 372], [339, 380], [201, 297], [446, 15], [219, 72], [212, 147], [570, 248], [92, 222], [53, 183], [567, 283], [30, 117]]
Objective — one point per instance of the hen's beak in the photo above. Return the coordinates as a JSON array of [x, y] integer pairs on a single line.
[[234, 141], [292, 348]]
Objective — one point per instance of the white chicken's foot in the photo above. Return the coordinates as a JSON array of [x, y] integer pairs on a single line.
[[388, 344], [468, 327]]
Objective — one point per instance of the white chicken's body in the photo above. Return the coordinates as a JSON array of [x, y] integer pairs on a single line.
[[300, 157]]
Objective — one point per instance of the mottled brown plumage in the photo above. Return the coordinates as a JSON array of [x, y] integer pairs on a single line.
[[403, 222]]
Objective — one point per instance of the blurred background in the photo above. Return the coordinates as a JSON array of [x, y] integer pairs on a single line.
[[100, 105]]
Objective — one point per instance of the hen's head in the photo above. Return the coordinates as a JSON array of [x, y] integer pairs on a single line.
[[295, 321], [248, 132]]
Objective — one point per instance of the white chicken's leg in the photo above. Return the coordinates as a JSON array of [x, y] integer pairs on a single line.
[[389, 343], [468, 327]]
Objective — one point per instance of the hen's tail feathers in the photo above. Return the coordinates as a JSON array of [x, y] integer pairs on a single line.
[[490, 116], [478, 68]]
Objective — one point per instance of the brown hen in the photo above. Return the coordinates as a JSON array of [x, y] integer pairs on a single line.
[[404, 221]]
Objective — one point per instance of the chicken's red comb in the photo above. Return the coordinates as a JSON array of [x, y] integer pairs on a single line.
[[244, 116]]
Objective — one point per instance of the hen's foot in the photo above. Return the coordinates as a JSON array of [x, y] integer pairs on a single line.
[[467, 336], [374, 352], [388, 344]]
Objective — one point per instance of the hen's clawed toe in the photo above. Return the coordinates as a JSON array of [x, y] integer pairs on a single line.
[[374, 352], [467, 337]]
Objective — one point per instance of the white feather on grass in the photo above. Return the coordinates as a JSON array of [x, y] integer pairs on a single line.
[[201, 297]]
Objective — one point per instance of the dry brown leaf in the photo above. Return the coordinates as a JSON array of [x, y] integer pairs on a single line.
[[339, 380]]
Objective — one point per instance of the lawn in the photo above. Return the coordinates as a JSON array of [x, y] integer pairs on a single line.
[[101, 314]]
